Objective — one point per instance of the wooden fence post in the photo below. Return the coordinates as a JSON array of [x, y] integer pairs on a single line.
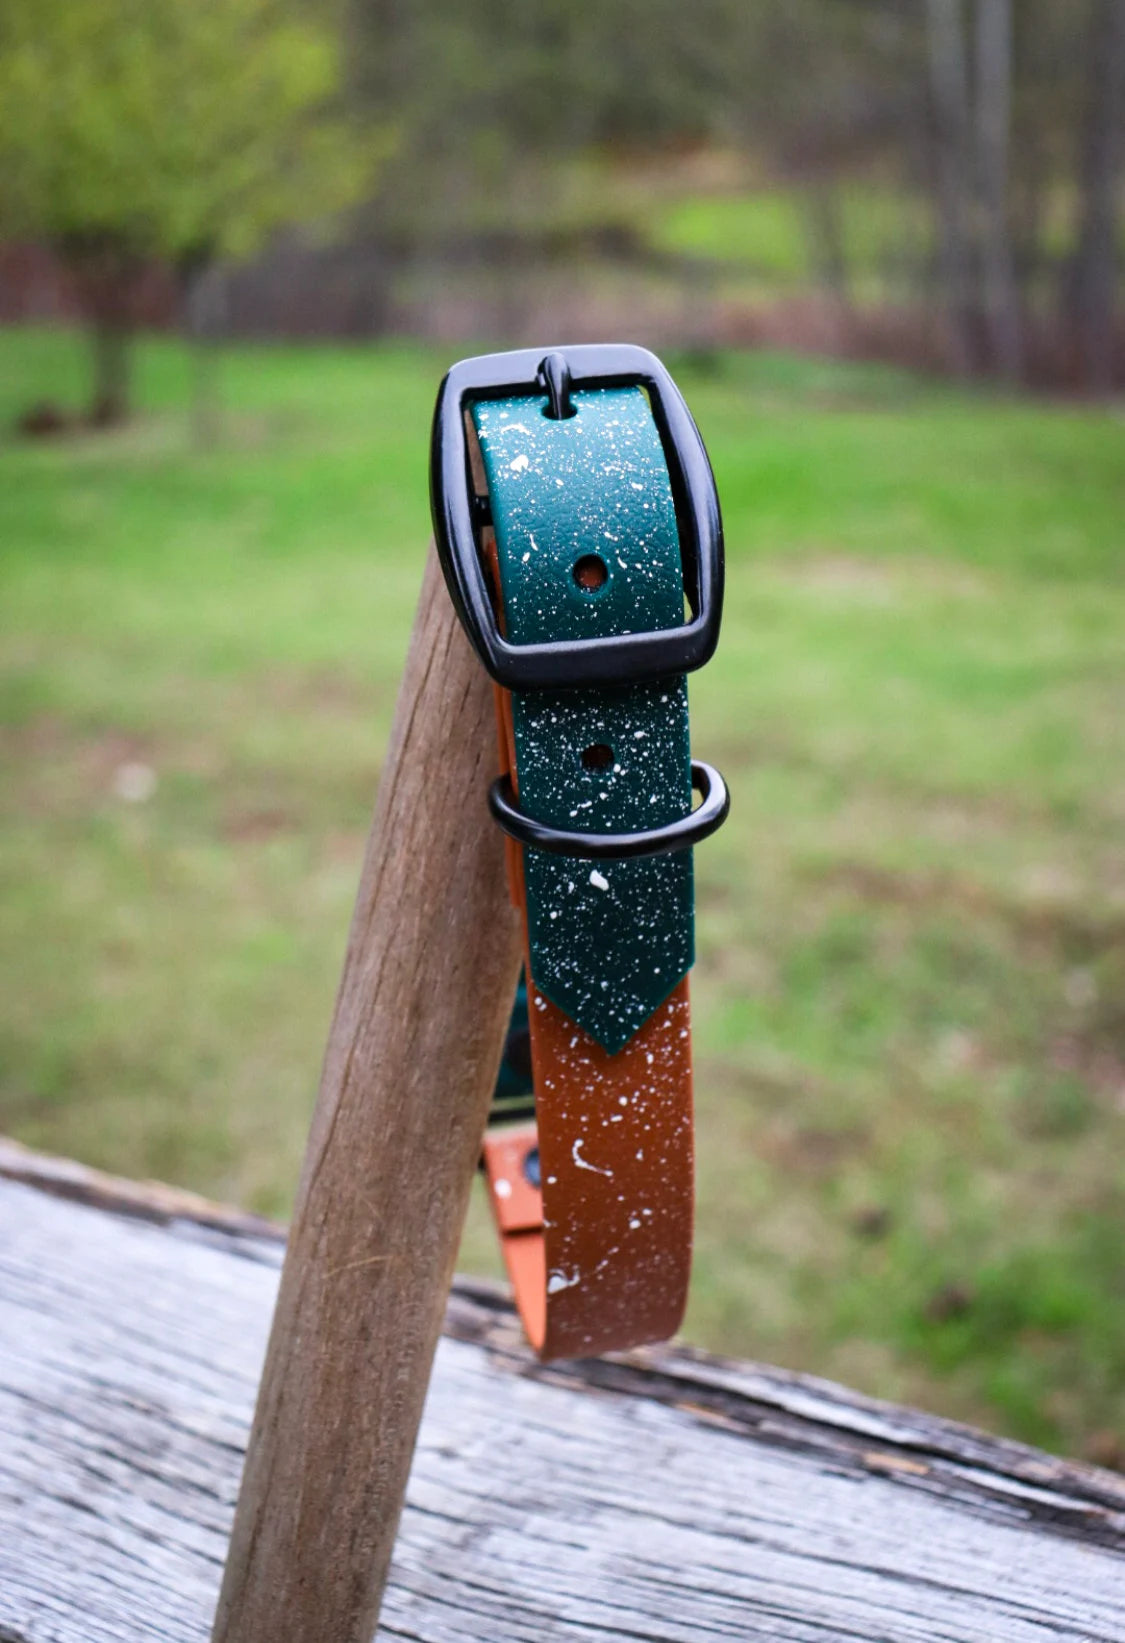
[[412, 1055]]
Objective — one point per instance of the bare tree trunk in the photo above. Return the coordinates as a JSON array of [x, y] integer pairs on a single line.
[[949, 83], [109, 402], [993, 127], [205, 307], [1094, 273], [105, 273], [825, 231], [1029, 195]]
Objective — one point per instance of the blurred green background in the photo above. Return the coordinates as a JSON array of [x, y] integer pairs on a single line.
[[910, 994]]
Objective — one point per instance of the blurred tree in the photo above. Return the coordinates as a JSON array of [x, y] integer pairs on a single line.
[[526, 137], [993, 142], [827, 92], [486, 99], [180, 129], [1093, 271], [949, 81], [972, 109], [1006, 122]]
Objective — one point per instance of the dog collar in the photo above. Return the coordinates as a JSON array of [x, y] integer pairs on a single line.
[[578, 528]]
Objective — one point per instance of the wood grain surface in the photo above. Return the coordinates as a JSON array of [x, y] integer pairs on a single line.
[[413, 1050], [664, 1496]]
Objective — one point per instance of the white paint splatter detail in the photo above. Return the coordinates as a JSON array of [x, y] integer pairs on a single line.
[[502, 1188], [519, 464], [598, 880], [559, 1280], [582, 1164], [647, 904]]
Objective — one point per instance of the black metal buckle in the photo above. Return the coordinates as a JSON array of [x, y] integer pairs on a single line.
[[655, 841], [624, 658]]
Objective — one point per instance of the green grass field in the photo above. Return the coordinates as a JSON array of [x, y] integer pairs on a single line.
[[910, 996]]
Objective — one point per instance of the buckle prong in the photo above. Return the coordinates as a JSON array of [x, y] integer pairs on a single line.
[[554, 371]]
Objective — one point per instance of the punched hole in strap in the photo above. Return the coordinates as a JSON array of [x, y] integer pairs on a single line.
[[590, 572], [513, 1182]]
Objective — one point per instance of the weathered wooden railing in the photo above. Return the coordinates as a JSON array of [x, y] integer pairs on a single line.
[[660, 1496]]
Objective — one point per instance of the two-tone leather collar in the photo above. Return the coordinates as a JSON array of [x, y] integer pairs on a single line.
[[580, 479]]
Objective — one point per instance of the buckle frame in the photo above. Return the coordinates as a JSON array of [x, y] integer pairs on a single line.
[[615, 660]]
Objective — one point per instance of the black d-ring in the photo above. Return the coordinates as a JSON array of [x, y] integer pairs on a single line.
[[656, 841]]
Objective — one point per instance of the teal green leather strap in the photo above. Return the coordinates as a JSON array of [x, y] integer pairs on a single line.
[[608, 941]]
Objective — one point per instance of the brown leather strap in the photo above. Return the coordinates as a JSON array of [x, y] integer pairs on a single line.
[[599, 1255]]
